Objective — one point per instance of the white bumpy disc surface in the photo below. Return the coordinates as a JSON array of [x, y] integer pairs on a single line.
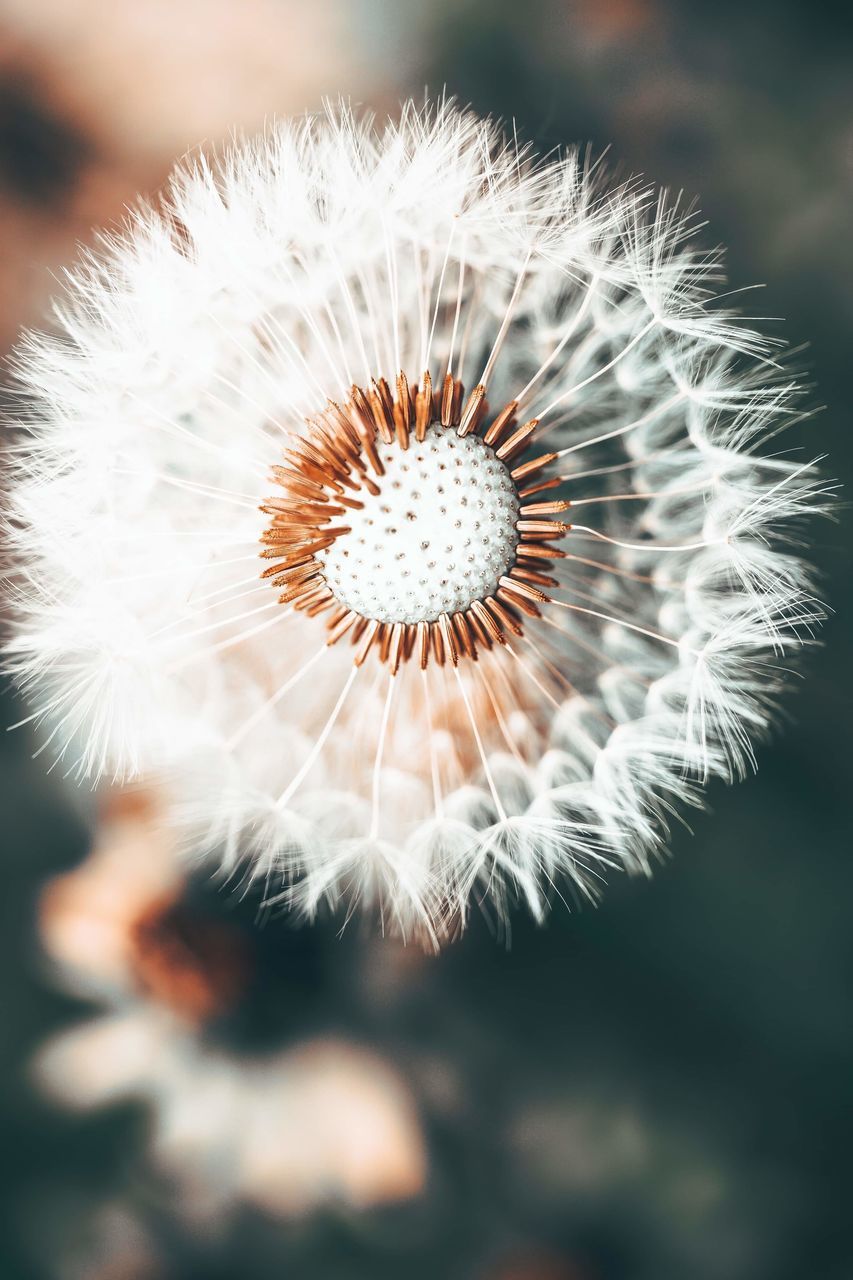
[[438, 537]]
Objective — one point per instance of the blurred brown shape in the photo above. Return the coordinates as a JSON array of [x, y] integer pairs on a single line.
[[606, 21], [196, 966], [88, 917], [538, 1266]]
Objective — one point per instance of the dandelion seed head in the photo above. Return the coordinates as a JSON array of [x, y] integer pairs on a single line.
[[403, 502]]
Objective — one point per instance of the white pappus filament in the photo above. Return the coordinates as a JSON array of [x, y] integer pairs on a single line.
[[402, 502]]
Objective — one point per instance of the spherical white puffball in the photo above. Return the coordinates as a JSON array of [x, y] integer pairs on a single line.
[[238, 572]]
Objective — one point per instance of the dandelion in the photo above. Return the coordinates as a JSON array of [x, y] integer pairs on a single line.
[[402, 503]]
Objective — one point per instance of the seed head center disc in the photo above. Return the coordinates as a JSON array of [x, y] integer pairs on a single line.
[[438, 536]]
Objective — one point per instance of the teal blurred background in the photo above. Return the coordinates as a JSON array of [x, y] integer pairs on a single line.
[[659, 1089]]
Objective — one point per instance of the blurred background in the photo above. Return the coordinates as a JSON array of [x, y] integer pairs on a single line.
[[659, 1089]]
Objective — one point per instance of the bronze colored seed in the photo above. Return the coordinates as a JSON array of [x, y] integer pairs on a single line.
[[386, 432], [281, 551], [285, 514], [297, 494], [524, 589], [385, 631], [437, 643], [535, 464], [404, 397], [282, 576], [307, 492], [341, 627], [501, 424], [466, 634], [270, 536], [423, 644], [529, 490], [542, 528], [291, 535], [410, 635], [381, 385], [423, 407], [367, 642], [505, 615], [533, 560], [300, 589], [447, 638], [481, 634], [290, 555], [544, 508], [382, 406], [345, 433], [517, 441], [373, 458], [401, 426], [319, 605], [359, 629], [320, 477], [530, 575], [291, 526], [322, 513], [358, 401], [360, 465], [536, 551], [456, 412], [271, 505], [488, 621], [447, 401], [463, 636], [473, 412], [296, 482], [517, 602], [302, 445], [333, 445], [347, 480], [384, 425], [395, 647], [290, 576], [306, 601], [360, 406], [344, 464], [344, 423], [309, 590]]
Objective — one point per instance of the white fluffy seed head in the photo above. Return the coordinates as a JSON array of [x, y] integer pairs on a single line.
[[333, 252], [440, 534]]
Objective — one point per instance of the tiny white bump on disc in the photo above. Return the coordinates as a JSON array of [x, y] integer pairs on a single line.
[[438, 536]]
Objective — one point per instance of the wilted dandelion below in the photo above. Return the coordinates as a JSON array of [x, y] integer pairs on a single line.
[[525, 572]]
